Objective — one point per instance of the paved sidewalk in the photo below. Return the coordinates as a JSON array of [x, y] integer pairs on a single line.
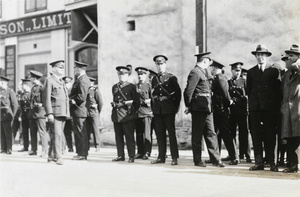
[[24, 175]]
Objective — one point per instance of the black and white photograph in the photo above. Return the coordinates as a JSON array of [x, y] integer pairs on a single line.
[[143, 98]]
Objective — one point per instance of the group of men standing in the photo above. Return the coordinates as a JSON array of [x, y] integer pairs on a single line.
[[49, 106], [217, 107]]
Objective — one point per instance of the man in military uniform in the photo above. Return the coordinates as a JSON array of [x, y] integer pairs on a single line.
[[197, 99], [9, 106], [221, 101], [124, 106], [78, 97], [144, 113], [263, 90], [69, 120], [94, 107], [37, 115], [24, 102], [56, 103], [238, 110], [166, 101]]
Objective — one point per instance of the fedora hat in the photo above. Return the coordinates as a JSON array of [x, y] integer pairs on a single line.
[[294, 49], [261, 48]]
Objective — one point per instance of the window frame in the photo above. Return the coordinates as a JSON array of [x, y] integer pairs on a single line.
[[35, 6]]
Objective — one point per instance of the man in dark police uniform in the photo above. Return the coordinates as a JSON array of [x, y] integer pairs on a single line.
[[166, 101], [9, 106], [124, 106], [197, 99], [78, 97]]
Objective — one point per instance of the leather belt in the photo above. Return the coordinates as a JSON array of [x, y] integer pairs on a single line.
[[203, 94], [160, 98]]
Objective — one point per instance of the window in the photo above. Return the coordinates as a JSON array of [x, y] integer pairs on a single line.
[[35, 5], [0, 8], [89, 55], [131, 25]]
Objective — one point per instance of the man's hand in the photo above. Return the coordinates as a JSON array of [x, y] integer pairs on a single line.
[[72, 102], [50, 118], [187, 110]]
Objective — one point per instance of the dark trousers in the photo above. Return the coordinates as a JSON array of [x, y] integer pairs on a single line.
[[292, 145], [143, 135], [56, 137], [241, 122], [38, 126], [25, 132], [92, 128], [6, 135], [221, 123], [263, 130], [125, 129], [68, 133], [164, 122], [202, 125], [80, 133]]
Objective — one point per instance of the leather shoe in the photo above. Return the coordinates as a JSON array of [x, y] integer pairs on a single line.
[[174, 162], [119, 159], [78, 157], [23, 150], [248, 160], [234, 162], [219, 164], [145, 157], [131, 160], [32, 152], [226, 158], [138, 156], [70, 150], [157, 161], [200, 164], [256, 167], [51, 159], [208, 161], [59, 161], [273, 168], [291, 169], [8, 152]]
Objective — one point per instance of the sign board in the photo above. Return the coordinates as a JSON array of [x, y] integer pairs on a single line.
[[38, 23]]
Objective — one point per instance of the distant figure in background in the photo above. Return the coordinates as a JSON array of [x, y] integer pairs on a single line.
[[78, 97], [144, 113], [263, 89], [239, 110], [131, 77], [290, 107], [94, 106], [9, 106], [24, 102], [244, 73], [56, 103], [69, 120], [37, 115], [124, 107]]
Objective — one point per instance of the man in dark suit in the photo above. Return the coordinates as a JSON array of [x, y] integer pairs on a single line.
[[24, 101], [37, 115], [166, 101], [221, 101], [94, 106], [78, 97], [56, 103], [9, 106], [239, 110], [124, 107], [144, 113], [263, 89], [197, 99]]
